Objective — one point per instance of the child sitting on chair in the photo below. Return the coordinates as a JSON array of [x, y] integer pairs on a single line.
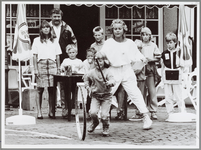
[[172, 74], [98, 82], [76, 67]]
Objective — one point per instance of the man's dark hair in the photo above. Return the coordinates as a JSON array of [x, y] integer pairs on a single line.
[[56, 11]]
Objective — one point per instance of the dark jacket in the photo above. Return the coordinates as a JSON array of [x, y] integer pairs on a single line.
[[66, 37], [167, 61]]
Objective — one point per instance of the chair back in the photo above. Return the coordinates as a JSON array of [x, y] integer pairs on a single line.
[[12, 79]]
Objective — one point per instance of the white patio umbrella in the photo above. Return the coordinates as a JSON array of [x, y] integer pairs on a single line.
[[21, 52]]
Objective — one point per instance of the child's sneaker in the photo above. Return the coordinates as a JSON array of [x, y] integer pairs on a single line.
[[99, 126], [147, 122], [106, 132], [136, 117], [92, 127], [154, 116], [64, 113], [105, 127], [120, 115]]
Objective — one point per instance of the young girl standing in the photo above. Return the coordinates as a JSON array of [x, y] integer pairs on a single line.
[[121, 52], [46, 62], [152, 54], [98, 82]]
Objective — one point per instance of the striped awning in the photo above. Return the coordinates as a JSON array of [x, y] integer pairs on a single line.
[[130, 5]]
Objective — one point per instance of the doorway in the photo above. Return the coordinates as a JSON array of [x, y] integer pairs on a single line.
[[82, 19]]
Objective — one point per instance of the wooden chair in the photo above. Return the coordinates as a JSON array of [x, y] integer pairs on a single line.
[[190, 88], [13, 85]]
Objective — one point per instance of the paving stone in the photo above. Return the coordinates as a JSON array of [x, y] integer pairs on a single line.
[[122, 133]]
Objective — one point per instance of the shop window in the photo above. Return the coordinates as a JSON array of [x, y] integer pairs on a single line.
[[135, 18]]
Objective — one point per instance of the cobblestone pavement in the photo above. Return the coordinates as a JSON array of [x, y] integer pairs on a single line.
[[61, 133]]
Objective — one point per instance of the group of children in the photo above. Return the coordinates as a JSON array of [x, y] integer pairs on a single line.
[[108, 64]]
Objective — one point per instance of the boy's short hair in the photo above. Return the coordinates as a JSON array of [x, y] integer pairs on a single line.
[[98, 29], [100, 55], [69, 47], [171, 36], [56, 11], [91, 50]]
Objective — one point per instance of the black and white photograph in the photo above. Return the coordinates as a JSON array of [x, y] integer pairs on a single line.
[[79, 74]]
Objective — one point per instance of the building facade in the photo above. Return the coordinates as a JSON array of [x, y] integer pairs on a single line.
[[83, 18]]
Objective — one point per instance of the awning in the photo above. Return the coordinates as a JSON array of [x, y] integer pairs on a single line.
[[137, 5]]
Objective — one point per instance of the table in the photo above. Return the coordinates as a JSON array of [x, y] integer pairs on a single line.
[[68, 81]]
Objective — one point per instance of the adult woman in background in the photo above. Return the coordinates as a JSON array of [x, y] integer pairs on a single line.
[[46, 62]]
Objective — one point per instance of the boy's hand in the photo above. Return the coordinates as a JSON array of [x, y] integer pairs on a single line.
[[109, 84], [62, 69], [88, 90]]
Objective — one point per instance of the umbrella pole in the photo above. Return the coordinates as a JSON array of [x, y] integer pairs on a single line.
[[20, 87], [20, 119]]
